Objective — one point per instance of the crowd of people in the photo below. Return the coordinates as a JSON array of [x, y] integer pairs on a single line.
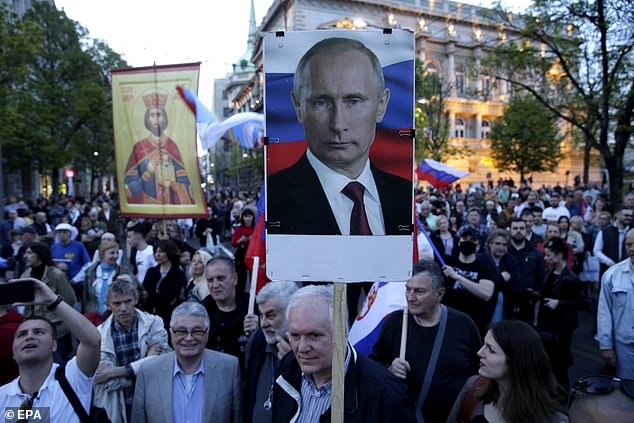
[[149, 320]]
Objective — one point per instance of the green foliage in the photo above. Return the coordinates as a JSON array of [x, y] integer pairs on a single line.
[[525, 139], [431, 119], [60, 112], [575, 57]]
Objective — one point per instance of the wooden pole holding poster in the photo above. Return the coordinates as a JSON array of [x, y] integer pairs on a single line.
[[254, 283], [339, 346]]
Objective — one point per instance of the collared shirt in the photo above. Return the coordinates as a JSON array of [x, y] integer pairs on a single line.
[[315, 401], [126, 347], [188, 394], [51, 394], [615, 314], [341, 206], [597, 249], [264, 388]]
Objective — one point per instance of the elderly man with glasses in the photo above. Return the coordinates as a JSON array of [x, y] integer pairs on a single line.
[[190, 384]]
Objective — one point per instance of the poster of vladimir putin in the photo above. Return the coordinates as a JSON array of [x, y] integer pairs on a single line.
[[339, 162]]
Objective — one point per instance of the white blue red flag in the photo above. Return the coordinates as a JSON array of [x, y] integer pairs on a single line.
[[438, 174], [382, 299], [245, 129]]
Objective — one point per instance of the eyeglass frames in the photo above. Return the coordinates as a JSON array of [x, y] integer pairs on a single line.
[[196, 332], [602, 385]]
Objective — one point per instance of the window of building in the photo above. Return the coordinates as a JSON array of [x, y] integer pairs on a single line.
[[459, 128], [486, 129], [486, 86], [460, 81]]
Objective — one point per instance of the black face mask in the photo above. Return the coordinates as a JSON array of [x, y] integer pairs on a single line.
[[467, 248]]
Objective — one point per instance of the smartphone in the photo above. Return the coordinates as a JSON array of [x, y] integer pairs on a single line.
[[17, 292]]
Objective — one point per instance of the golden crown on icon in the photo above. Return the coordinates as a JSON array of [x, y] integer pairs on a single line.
[[155, 100]]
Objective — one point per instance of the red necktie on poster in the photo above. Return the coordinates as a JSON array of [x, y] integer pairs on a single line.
[[358, 219]]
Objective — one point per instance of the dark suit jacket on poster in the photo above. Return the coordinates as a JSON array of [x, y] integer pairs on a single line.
[[297, 201]]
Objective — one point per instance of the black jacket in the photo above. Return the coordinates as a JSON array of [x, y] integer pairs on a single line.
[[372, 394], [164, 299], [562, 320], [440, 246], [529, 275], [253, 362], [297, 204]]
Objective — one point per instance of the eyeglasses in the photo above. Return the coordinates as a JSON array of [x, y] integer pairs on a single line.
[[602, 385], [196, 333]]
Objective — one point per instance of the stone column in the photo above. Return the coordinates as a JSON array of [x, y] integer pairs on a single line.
[[452, 124], [421, 44], [477, 55]]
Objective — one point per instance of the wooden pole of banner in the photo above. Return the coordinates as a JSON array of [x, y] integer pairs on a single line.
[[254, 283], [401, 354], [339, 346]]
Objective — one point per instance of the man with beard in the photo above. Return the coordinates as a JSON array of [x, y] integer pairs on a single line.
[[265, 349], [529, 274], [155, 173]]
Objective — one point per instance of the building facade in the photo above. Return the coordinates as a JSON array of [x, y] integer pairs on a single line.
[[452, 39]]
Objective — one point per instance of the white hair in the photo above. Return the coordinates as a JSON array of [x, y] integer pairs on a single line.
[[282, 290], [190, 308]]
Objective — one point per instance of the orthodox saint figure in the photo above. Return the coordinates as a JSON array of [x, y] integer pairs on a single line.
[[155, 173]]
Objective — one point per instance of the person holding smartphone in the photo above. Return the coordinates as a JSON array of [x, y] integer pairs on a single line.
[[33, 346]]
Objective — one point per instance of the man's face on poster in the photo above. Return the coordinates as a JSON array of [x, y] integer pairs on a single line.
[[156, 121], [339, 105]]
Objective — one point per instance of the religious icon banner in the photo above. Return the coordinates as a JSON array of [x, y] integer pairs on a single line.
[[339, 114], [155, 142]]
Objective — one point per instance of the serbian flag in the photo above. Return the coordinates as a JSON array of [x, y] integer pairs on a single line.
[[438, 174], [257, 245], [245, 129], [383, 299]]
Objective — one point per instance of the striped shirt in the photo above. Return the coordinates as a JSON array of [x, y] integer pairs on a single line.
[[315, 401]]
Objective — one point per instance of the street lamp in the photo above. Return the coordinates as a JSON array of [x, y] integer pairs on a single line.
[[94, 174]]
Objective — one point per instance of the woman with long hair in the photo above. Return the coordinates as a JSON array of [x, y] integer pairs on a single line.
[[560, 299], [165, 281], [570, 235], [516, 383], [197, 288]]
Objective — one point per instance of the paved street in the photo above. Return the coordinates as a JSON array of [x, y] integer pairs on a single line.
[[585, 350]]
